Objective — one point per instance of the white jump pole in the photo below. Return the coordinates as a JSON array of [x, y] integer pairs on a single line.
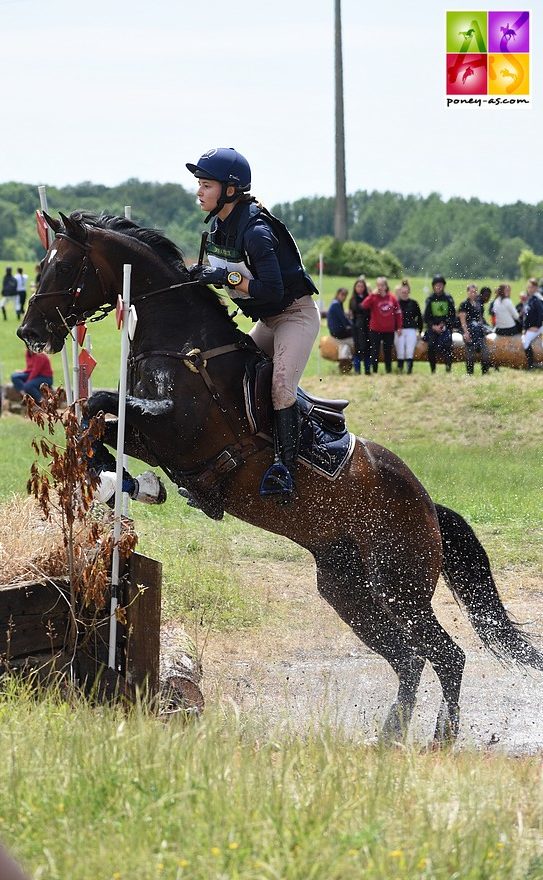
[[65, 368], [127, 269], [88, 346], [126, 496]]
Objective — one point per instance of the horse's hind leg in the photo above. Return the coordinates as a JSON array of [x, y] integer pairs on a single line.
[[447, 659], [344, 589]]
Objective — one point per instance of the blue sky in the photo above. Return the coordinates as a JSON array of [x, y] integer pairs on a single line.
[[125, 88]]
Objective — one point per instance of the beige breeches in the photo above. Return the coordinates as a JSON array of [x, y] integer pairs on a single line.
[[288, 338]]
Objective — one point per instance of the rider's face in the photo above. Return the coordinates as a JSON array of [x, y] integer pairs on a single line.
[[208, 194]]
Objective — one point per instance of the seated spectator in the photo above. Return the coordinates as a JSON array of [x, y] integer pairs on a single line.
[[406, 341], [38, 372], [385, 318], [506, 317], [532, 324], [484, 297], [439, 317], [361, 331], [470, 313], [340, 326]]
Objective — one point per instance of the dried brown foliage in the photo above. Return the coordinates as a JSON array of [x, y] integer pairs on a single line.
[[63, 488]]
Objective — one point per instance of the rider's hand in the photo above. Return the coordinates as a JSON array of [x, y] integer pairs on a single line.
[[209, 274]]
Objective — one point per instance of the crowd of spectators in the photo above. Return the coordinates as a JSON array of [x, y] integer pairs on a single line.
[[381, 319]]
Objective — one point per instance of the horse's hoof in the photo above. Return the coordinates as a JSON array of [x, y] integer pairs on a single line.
[[149, 489]]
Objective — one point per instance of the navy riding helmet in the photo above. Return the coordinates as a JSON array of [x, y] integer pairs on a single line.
[[227, 166]]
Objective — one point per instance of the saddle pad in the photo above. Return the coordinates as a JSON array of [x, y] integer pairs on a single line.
[[325, 448]]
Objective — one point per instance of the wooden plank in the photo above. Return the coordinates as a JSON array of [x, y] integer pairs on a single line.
[[34, 617], [143, 623]]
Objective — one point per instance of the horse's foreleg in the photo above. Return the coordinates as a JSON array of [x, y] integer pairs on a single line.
[[141, 414]]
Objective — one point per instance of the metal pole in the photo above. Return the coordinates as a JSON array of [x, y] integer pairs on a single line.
[[65, 368], [321, 304], [119, 472]]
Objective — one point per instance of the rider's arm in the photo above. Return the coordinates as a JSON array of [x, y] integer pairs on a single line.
[[261, 246]]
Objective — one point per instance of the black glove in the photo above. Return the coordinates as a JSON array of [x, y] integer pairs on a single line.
[[209, 274]]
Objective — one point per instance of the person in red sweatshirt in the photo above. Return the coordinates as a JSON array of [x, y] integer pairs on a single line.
[[385, 320], [38, 372]]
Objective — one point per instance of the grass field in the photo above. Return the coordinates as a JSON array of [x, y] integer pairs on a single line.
[[94, 795]]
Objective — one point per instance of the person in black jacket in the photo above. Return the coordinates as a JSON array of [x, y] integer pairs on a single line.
[[406, 342], [361, 332], [253, 256], [532, 324], [439, 317], [471, 316]]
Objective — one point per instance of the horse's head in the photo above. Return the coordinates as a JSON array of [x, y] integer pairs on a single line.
[[71, 286]]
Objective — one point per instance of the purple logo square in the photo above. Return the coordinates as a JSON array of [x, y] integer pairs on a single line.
[[509, 32]]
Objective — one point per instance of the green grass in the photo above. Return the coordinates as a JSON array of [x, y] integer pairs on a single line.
[[92, 794]]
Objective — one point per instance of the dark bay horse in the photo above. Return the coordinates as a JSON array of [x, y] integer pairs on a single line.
[[378, 540]]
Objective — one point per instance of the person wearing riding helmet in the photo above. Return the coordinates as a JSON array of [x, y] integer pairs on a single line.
[[255, 258]]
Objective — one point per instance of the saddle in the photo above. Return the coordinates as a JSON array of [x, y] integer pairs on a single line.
[[325, 443]]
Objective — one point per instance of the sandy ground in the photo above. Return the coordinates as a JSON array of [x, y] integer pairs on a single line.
[[305, 666]]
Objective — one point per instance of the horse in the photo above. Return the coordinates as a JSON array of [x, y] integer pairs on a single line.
[[378, 540]]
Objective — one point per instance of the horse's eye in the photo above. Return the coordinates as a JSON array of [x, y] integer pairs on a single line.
[[63, 268]]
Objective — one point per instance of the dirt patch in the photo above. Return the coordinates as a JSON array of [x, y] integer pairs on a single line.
[[306, 666]]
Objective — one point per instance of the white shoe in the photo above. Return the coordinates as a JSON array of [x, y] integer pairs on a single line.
[[149, 489]]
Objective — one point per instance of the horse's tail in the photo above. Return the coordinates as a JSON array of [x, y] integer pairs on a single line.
[[466, 570]]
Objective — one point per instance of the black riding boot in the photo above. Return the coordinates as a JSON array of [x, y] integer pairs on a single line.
[[410, 365], [529, 352], [5, 314], [287, 426], [400, 366], [279, 478]]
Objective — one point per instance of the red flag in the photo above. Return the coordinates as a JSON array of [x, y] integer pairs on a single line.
[[41, 226], [81, 333], [86, 366]]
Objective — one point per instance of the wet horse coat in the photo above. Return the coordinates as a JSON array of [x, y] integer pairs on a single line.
[[378, 540]]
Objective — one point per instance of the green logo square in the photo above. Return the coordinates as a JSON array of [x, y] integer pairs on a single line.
[[467, 32]]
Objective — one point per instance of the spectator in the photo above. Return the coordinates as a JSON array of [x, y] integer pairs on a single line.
[[532, 323], [506, 318], [361, 332], [38, 372], [9, 291], [521, 305], [406, 341], [470, 314], [484, 297], [439, 317], [22, 281], [341, 328], [385, 318]]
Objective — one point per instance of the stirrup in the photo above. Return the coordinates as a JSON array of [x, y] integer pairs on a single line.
[[277, 480]]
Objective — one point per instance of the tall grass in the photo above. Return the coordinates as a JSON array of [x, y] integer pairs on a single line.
[[88, 794]]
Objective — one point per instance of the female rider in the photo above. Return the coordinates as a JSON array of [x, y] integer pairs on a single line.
[[253, 255]]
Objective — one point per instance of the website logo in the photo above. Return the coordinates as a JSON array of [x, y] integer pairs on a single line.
[[488, 58]]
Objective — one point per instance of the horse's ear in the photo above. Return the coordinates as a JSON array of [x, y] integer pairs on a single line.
[[55, 225], [74, 228]]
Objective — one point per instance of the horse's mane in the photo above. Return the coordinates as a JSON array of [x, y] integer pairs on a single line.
[[169, 252], [166, 249]]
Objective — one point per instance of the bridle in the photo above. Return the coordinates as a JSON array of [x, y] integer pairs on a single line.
[[77, 289]]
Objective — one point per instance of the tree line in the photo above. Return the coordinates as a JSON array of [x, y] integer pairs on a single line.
[[388, 232]]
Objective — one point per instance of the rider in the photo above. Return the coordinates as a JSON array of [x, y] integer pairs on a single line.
[[253, 255]]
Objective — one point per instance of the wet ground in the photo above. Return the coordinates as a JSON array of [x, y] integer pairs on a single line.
[[312, 669]]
